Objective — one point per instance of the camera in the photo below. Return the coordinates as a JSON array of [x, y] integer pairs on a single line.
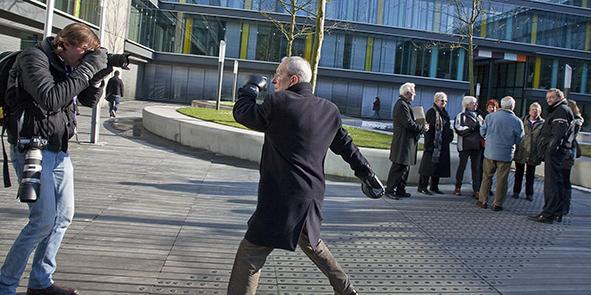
[[28, 190], [118, 60]]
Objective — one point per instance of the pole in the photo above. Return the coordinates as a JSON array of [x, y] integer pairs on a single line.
[[221, 58], [568, 75], [48, 18], [235, 80], [96, 110]]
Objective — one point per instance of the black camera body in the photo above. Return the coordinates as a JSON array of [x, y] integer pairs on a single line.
[[118, 60], [28, 190]]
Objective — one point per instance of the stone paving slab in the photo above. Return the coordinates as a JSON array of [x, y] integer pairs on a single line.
[[153, 217]]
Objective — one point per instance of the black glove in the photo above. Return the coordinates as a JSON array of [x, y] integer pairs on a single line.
[[92, 63], [372, 187], [254, 85], [100, 75]]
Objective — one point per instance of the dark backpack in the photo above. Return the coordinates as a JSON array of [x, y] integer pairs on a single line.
[[7, 60]]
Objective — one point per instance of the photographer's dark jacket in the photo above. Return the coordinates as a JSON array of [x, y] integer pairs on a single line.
[[299, 129], [42, 89]]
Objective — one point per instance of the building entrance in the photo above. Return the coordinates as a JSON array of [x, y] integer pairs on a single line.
[[499, 78]]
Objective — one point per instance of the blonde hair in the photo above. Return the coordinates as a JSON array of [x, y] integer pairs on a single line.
[[439, 96], [536, 105], [76, 34], [467, 100]]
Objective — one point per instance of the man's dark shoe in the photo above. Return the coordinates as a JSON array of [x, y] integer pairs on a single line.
[[476, 195], [529, 197], [403, 195], [541, 218], [497, 208], [437, 191], [391, 196], [457, 191], [53, 290], [424, 191], [482, 205], [515, 196]]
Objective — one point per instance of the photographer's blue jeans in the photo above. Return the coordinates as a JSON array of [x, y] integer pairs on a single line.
[[49, 217]]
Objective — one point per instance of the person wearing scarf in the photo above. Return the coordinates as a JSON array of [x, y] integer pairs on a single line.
[[436, 160]]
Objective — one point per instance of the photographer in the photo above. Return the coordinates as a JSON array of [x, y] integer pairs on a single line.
[[45, 81], [299, 129]]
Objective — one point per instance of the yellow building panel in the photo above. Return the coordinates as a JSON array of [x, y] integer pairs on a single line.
[[188, 33], [369, 54], [483, 24], [380, 20], [534, 29], [244, 40], [537, 70], [248, 4], [308, 47], [77, 8]]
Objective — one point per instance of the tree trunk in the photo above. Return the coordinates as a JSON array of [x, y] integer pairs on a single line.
[[292, 23], [319, 37], [471, 60]]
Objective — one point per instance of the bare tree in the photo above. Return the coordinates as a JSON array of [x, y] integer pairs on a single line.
[[467, 13], [292, 30], [318, 39], [116, 26]]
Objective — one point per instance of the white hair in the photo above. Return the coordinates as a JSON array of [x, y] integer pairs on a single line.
[[439, 96], [508, 103], [407, 88], [535, 105], [297, 66], [467, 100]]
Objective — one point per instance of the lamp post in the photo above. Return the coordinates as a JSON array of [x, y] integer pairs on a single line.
[[235, 80], [96, 110], [48, 18], [221, 58]]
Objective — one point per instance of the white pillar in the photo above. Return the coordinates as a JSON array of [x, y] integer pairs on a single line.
[[96, 111], [221, 58], [235, 72], [48, 18]]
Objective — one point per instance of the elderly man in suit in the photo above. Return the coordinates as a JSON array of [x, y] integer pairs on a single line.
[[403, 150], [299, 129]]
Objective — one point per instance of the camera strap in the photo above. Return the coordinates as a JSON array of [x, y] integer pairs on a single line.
[[5, 164]]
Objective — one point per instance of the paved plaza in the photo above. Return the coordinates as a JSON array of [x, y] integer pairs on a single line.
[[154, 217]]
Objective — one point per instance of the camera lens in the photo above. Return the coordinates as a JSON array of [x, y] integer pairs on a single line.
[[28, 190]]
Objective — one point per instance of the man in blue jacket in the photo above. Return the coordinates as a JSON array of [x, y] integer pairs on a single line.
[[503, 130], [299, 129]]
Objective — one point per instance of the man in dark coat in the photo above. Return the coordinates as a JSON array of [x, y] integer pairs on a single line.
[[48, 78], [405, 136], [436, 162], [114, 93], [554, 148], [299, 129]]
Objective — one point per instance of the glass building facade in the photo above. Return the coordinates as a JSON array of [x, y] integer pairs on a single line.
[[523, 47]]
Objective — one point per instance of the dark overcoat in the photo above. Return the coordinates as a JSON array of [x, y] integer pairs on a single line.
[[299, 129], [405, 134], [442, 168]]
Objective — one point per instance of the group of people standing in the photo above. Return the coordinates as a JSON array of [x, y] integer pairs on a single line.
[[491, 140]]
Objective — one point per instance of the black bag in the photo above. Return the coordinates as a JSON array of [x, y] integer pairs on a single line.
[[7, 60]]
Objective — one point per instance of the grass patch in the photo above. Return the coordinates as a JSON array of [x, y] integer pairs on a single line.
[[586, 150], [361, 137]]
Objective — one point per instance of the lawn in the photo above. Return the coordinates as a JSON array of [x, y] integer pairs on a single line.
[[360, 137], [586, 149]]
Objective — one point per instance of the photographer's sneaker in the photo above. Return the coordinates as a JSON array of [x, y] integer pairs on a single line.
[[53, 290]]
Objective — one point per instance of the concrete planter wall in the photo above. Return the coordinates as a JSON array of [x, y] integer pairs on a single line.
[[246, 144]]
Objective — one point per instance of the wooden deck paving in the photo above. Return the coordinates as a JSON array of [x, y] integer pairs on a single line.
[[153, 217]]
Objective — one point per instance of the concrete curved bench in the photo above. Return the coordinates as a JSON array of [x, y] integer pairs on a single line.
[[166, 122]]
